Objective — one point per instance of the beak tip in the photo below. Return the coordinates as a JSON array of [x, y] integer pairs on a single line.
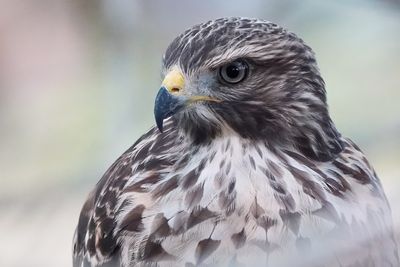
[[159, 119], [160, 125]]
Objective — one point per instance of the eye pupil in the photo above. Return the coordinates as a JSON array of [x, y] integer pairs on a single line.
[[234, 72]]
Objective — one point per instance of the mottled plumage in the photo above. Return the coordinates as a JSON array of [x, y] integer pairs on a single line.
[[254, 174]]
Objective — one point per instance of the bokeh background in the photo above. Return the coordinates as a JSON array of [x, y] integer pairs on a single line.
[[78, 79]]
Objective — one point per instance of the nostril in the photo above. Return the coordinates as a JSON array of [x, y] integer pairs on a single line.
[[175, 90]]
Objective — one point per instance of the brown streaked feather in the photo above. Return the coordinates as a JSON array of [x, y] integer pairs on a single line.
[[198, 215], [292, 220], [205, 248], [133, 220], [154, 252], [239, 239], [165, 187], [159, 227], [194, 196]]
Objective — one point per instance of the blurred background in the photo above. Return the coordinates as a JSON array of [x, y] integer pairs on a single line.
[[78, 80]]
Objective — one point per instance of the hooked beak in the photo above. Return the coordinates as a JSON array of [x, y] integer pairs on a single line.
[[166, 105], [171, 97]]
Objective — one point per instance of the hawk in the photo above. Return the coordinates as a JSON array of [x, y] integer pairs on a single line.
[[244, 168]]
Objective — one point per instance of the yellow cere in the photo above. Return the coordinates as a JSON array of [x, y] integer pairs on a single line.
[[174, 81]]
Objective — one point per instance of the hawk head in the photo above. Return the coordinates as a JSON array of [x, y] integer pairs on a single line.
[[247, 77]]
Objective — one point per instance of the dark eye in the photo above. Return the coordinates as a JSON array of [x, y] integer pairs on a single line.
[[234, 72]]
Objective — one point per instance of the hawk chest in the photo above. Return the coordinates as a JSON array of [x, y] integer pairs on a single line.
[[245, 180], [236, 202], [238, 198]]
